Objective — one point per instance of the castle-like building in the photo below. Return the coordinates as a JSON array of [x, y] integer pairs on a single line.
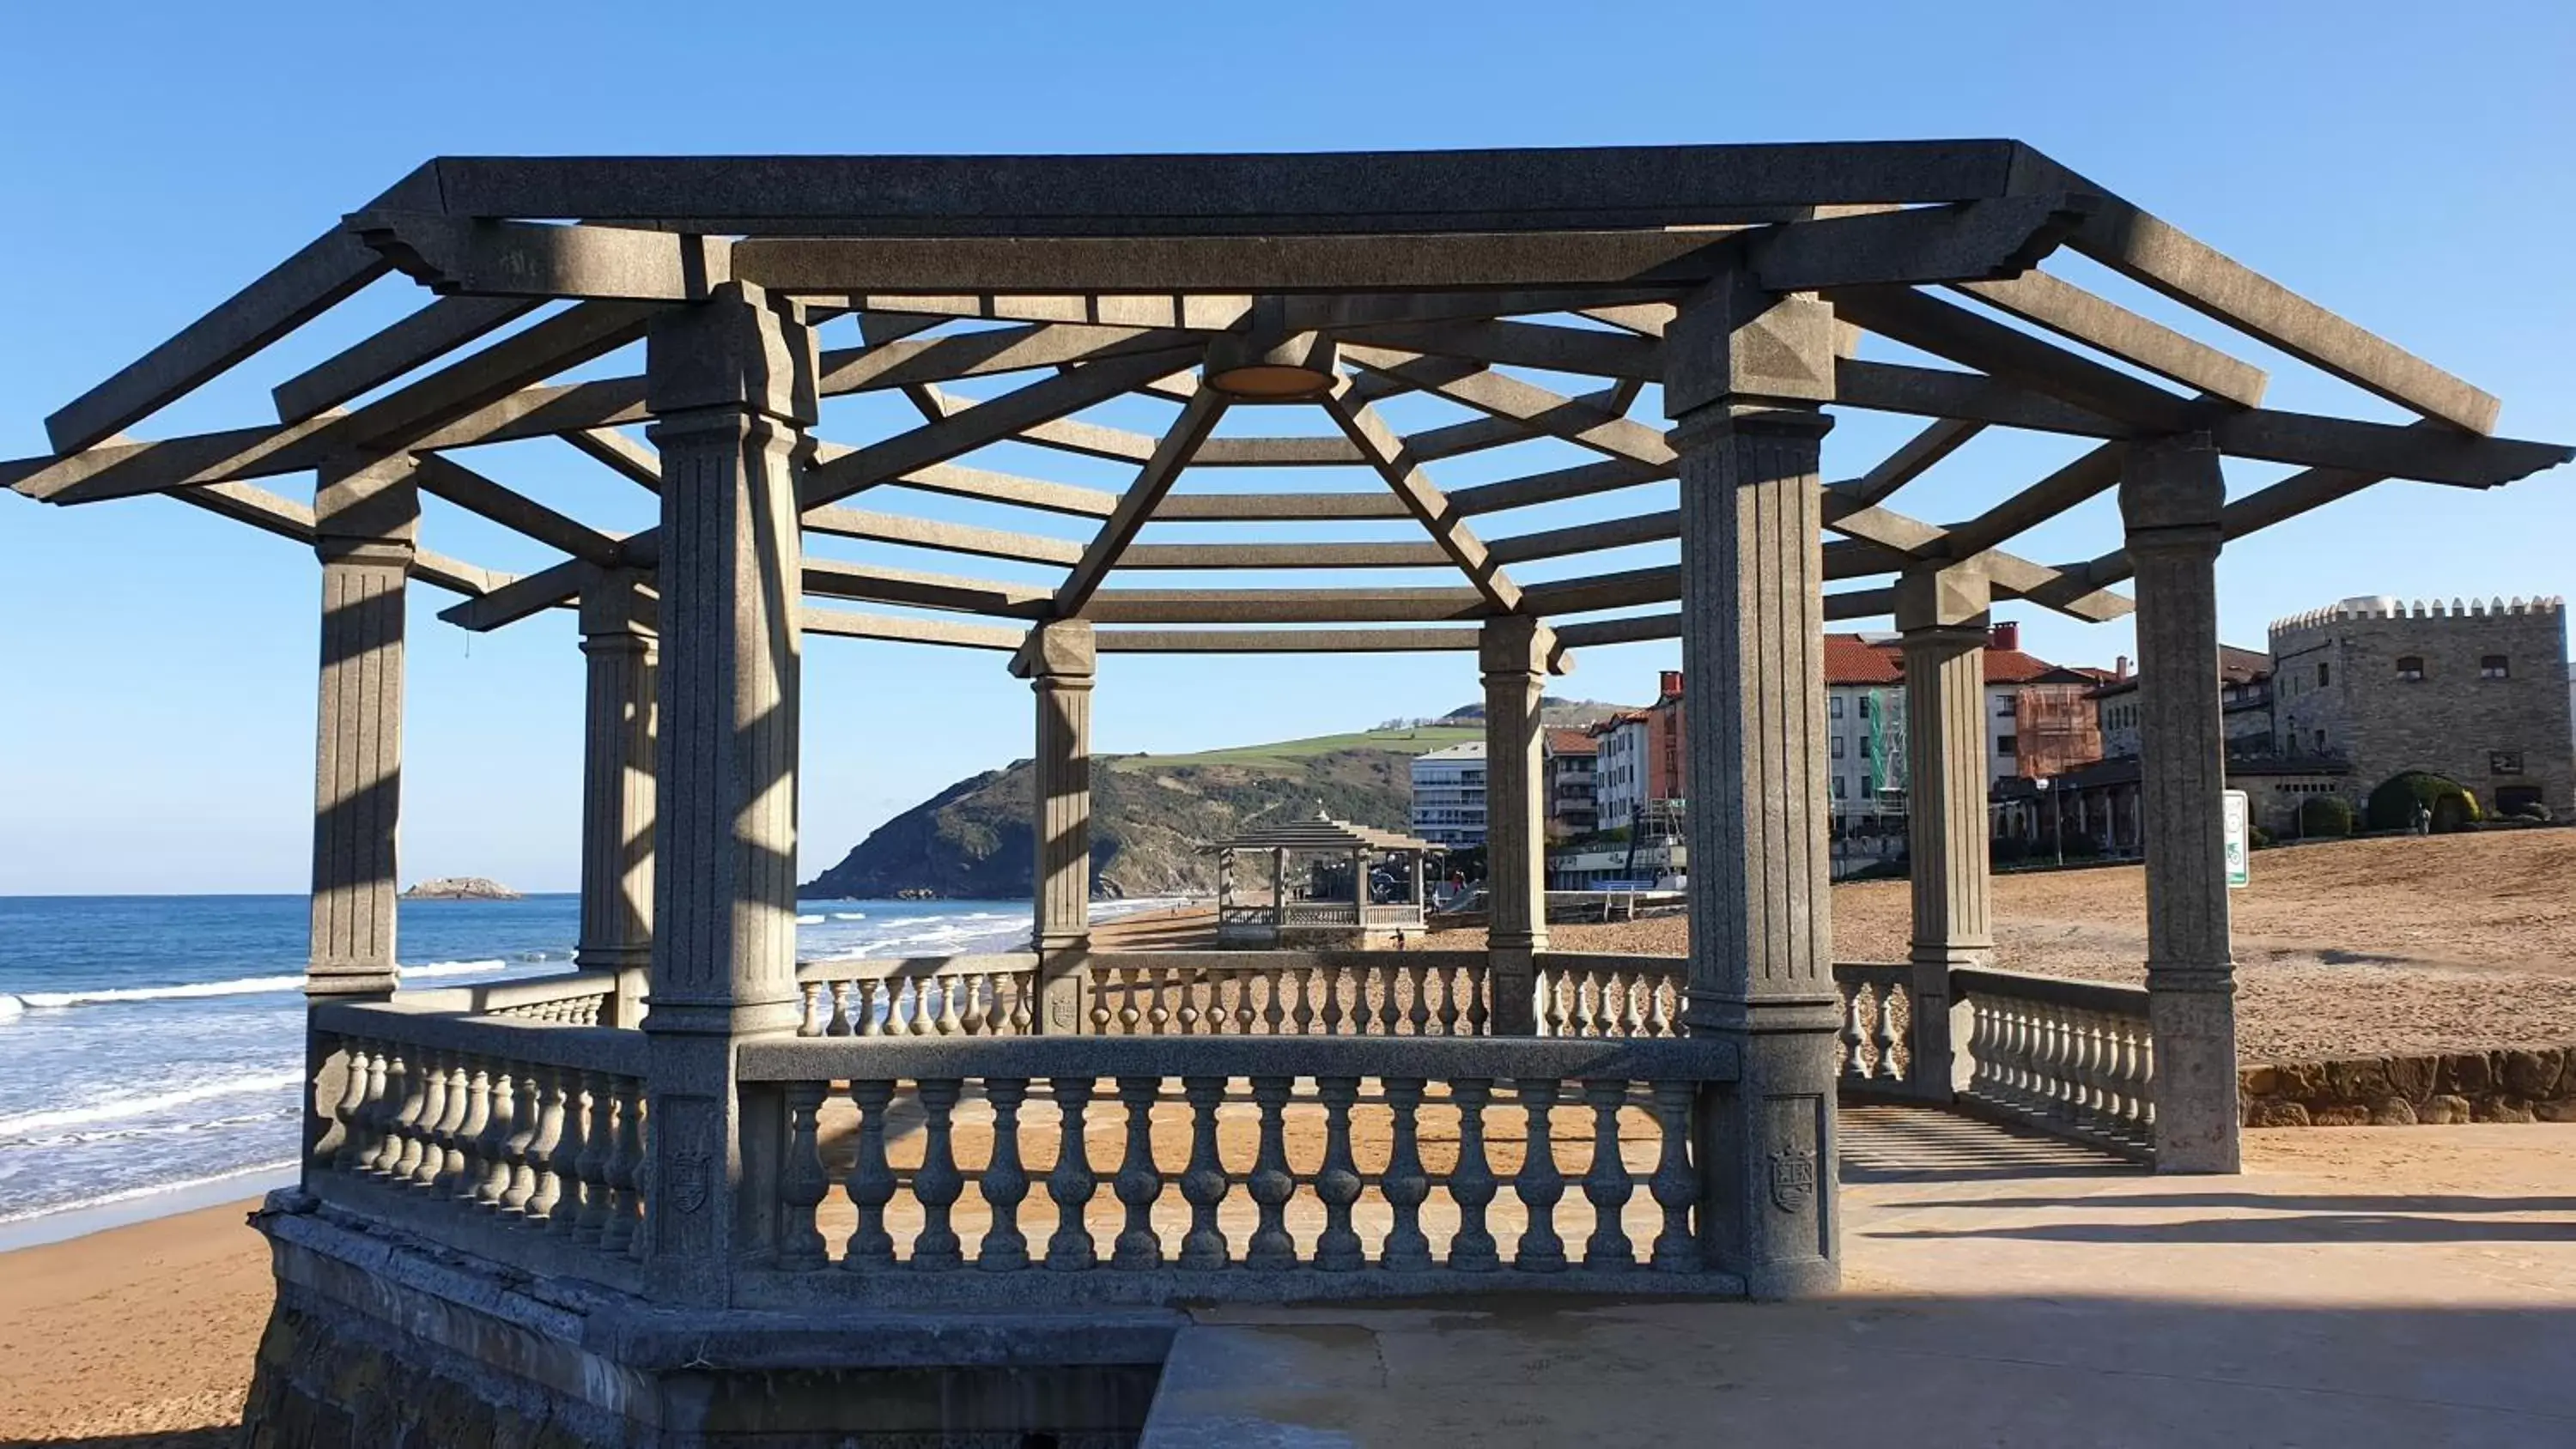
[[2475, 691]]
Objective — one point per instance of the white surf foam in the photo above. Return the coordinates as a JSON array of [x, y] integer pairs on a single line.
[[120, 1106], [849, 915], [809, 920], [151, 1190], [239, 986]]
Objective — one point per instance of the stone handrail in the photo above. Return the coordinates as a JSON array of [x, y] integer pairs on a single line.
[[565, 998], [1289, 993], [919, 995], [1320, 913], [521, 1140], [1609, 995], [2074, 1059], [1427, 1222]]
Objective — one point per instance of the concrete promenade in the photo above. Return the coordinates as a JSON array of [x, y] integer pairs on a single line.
[[2355, 1287]]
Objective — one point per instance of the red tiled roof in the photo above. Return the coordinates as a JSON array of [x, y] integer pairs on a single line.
[[1572, 742], [1853, 660]]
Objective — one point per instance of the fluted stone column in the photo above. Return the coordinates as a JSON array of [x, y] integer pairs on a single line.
[[621, 647], [1745, 374], [2171, 492], [367, 523], [1061, 664], [1941, 619], [730, 385], [366, 526], [1513, 652]]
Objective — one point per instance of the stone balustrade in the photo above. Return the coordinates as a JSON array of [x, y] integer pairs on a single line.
[[1599, 995], [2073, 1059], [573, 998], [1237, 1170], [522, 1140], [1877, 1007], [920, 996], [1290, 993]]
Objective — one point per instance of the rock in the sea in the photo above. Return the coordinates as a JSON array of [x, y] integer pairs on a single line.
[[460, 888]]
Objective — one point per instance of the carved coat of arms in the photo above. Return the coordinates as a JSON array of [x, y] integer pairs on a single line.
[[691, 1172], [1793, 1178]]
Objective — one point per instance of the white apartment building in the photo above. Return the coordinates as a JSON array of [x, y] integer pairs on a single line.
[[1449, 796]]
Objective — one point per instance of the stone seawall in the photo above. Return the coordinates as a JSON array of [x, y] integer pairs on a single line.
[[2514, 1084]]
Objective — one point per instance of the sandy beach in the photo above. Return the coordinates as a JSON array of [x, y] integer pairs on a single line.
[[139, 1337]]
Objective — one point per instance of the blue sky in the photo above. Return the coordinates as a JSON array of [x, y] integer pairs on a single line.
[[2406, 165]]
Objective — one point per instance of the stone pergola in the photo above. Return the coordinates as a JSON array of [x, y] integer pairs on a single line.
[[1358, 921], [1716, 297]]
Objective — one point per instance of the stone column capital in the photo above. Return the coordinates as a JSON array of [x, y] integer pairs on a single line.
[[1514, 646], [366, 510], [740, 350], [1059, 654], [1933, 601], [618, 604], [1736, 346], [2173, 493]]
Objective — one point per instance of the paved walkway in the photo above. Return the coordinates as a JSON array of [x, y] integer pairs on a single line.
[[2363, 1286]]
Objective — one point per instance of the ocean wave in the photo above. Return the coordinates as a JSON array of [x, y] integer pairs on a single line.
[[849, 915], [12, 1006], [809, 920], [143, 1104], [150, 1190]]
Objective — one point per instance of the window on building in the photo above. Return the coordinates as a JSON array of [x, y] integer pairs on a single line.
[[2004, 745], [2003, 706], [2494, 666], [2504, 762], [1864, 747], [2321, 742], [1864, 706], [1834, 706], [1838, 787], [2322, 677], [2410, 666], [1838, 747]]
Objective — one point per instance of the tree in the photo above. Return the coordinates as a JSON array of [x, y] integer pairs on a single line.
[[2325, 815]]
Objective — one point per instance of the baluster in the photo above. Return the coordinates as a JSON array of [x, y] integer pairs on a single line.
[[1005, 1248], [1471, 1184], [563, 1164], [426, 1100], [1138, 1183], [801, 1184], [937, 1185], [598, 1144], [385, 1093], [1607, 1185], [1270, 1185], [1304, 1014], [2133, 1080], [1129, 1014], [1274, 1013], [2053, 1059], [1337, 1183], [1023, 990], [876, 1007], [1539, 1185], [1405, 1186], [919, 1019], [1480, 1008], [344, 1108], [1071, 1184], [949, 1022], [838, 993], [1662, 1004], [1449, 979], [1882, 1038], [621, 1233], [1855, 1069], [1185, 991], [462, 1174], [550, 1152], [871, 1182], [1332, 1016], [1675, 1185], [809, 1022], [517, 1148], [456, 1133], [1203, 1182], [997, 1002]]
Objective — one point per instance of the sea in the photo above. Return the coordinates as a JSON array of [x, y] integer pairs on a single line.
[[151, 1046]]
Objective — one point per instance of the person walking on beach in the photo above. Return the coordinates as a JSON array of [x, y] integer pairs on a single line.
[[2423, 818]]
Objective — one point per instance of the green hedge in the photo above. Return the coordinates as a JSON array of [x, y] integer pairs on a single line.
[[2325, 815], [2392, 805]]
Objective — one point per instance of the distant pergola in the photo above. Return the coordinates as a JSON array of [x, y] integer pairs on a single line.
[[1737, 279], [1357, 846]]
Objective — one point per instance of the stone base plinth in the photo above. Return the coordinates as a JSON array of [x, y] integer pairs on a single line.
[[378, 1339]]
